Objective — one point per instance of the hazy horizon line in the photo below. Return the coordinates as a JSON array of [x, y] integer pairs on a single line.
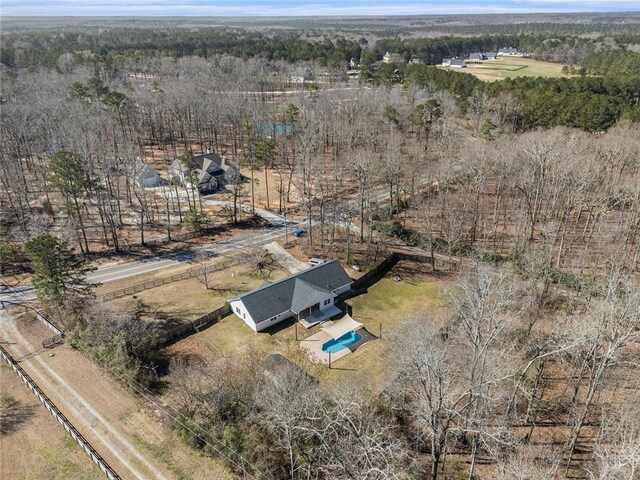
[[378, 15], [303, 9]]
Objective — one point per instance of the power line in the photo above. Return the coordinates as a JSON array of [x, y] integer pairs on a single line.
[[161, 405], [158, 403]]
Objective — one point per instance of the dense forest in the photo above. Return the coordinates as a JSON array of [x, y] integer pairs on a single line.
[[522, 195], [589, 103], [619, 62], [586, 102], [42, 48]]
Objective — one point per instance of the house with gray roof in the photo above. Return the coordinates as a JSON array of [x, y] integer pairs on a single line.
[[307, 296], [144, 175], [210, 172], [457, 63]]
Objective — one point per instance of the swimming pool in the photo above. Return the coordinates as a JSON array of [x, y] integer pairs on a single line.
[[334, 346]]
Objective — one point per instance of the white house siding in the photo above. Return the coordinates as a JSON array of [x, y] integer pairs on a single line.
[[240, 311], [342, 289], [274, 320]]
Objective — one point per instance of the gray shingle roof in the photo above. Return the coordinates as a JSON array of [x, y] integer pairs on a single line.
[[295, 292], [306, 294]]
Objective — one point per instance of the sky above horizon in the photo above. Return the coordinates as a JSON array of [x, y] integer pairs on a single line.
[[302, 7]]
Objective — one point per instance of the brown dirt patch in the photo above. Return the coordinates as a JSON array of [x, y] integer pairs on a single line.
[[134, 420], [38, 447]]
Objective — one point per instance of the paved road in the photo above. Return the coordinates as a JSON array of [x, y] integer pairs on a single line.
[[119, 272], [252, 238]]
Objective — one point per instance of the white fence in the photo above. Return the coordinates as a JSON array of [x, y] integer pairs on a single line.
[[48, 323], [67, 425]]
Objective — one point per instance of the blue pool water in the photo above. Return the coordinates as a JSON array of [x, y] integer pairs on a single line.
[[341, 343]]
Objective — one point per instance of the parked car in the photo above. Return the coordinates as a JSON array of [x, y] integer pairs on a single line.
[[356, 267], [298, 232], [316, 261]]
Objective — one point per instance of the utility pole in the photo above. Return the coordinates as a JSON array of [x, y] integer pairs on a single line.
[[286, 228]]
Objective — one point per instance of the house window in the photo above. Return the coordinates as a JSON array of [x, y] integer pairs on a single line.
[[238, 310], [244, 316], [327, 301]]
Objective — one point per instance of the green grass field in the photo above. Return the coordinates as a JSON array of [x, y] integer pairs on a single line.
[[511, 67]]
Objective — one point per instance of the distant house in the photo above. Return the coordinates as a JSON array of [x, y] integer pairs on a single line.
[[457, 63], [415, 61], [392, 58], [477, 56], [307, 296], [210, 172], [446, 62], [145, 176], [507, 51], [306, 76], [353, 64], [491, 55]]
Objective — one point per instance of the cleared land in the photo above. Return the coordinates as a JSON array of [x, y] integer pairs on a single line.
[[124, 429], [512, 67], [36, 446], [387, 303], [187, 300]]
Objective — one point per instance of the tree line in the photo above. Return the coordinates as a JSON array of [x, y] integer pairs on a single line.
[[585, 102], [613, 62], [42, 49], [473, 396]]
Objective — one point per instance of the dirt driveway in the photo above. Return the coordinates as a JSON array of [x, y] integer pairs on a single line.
[[117, 424]]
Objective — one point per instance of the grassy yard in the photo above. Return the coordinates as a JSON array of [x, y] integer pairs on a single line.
[[387, 302], [186, 300], [511, 67]]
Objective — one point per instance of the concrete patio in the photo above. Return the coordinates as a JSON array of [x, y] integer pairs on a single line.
[[313, 347], [320, 316], [332, 331]]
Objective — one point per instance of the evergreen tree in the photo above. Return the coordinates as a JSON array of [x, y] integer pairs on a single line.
[[57, 272]]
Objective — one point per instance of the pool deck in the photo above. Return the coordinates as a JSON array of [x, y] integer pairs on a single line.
[[313, 346]]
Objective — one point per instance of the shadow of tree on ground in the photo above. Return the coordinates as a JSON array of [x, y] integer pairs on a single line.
[[13, 413]]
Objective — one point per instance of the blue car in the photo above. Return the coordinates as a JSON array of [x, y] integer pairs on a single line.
[[298, 232]]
